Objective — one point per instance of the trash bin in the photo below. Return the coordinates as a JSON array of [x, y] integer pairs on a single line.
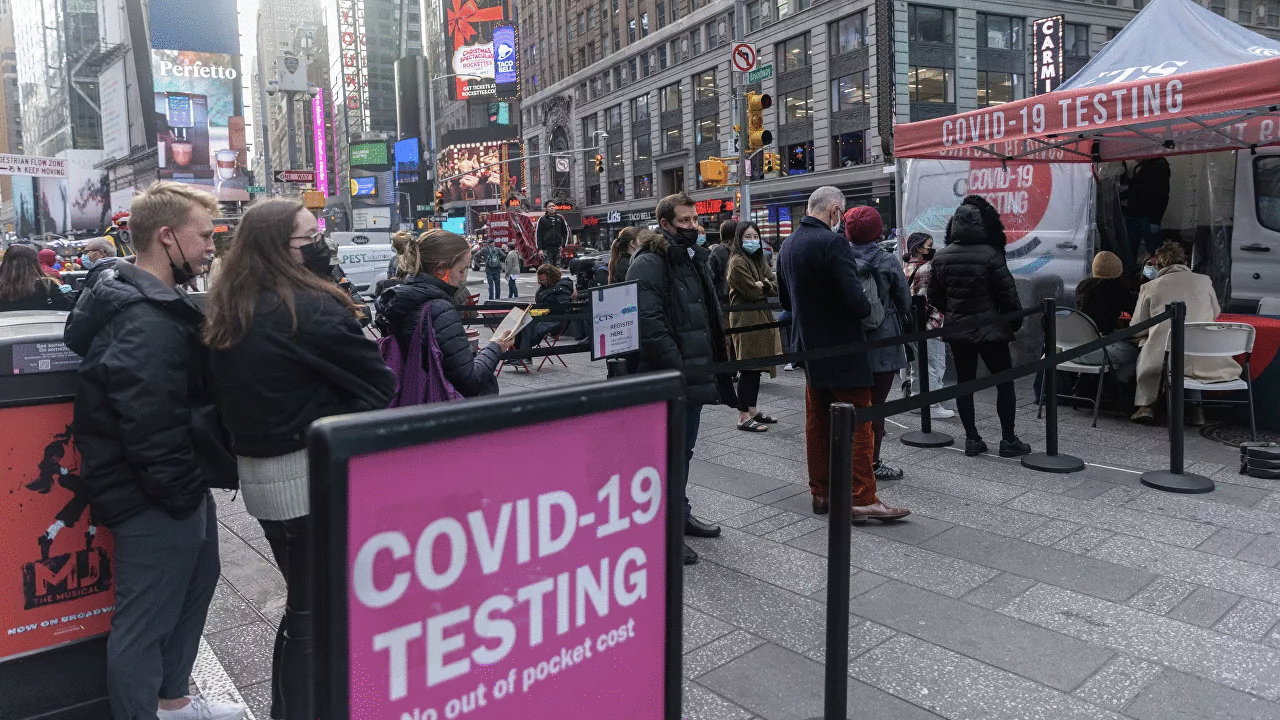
[[56, 592]]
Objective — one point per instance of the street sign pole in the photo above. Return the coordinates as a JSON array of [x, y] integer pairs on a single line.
[[740, 111]]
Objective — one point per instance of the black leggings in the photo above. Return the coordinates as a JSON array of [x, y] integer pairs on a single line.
[[291, 665], [995, 355], [748, 389]]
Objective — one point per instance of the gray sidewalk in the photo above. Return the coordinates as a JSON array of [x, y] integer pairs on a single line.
[[1007, 593]]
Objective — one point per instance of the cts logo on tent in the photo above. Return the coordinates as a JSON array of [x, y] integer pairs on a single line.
[[1263, 52]]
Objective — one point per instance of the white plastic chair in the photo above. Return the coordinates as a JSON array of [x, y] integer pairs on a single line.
[[1221, 339], [1073, 329], [1269, 306]]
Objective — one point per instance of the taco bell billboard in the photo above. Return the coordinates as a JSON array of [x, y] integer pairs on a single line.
[[481, 39], [504, 55]]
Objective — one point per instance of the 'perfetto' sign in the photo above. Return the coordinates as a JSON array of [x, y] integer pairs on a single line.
[[462, 581]]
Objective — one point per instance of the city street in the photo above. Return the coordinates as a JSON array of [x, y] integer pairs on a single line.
[[1006, 594]]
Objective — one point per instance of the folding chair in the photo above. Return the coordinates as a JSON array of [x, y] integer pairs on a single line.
[[548, 342], [1220, 339], [1073, 329]]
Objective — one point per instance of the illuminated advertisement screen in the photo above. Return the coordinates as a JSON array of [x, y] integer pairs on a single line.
[[480, 171], [482, 45], [364, 186], [408, 154], [200, 138], [321, 143], [369, 154]]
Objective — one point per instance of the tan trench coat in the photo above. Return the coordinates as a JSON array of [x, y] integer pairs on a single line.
[[1175, 283], [742, 275]]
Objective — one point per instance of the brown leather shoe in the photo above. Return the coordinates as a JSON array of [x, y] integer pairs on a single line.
[[820, 505], [879, 511]]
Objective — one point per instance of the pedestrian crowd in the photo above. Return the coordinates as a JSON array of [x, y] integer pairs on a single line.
[[172, 401]]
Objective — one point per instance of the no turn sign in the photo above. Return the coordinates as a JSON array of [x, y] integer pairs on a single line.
[[744, 57]]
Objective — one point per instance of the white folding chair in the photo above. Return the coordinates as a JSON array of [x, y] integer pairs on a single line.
[[1073, 329], [1221, 339], [1269, 306]]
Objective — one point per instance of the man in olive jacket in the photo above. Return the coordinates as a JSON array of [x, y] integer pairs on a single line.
[[680, 324], [151, 447]]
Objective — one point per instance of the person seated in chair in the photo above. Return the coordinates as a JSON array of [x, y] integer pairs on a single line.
[[1104, 297], [555, 293]]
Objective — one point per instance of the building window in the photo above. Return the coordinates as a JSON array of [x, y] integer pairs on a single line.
[[1218, 6], [640, 109], [644, 24], [784, 9], [704, 85], [1075, 40], [1260, 13], [613, 120], [645, 65], [999, 32], [795, 52], [931, 24], [849, 33], [631, 30], [661, 13], [617, 39], [707, 129], [671, 140], [593, 193], [670, 97], [931, 84], [643, 185], [848, 90], [642, 149], [662, 56], [802, 5], [695, 40], [631, 69], [997, 88], [848, 149], [798, 159], [797, 105], [756, 13], [617, 77]]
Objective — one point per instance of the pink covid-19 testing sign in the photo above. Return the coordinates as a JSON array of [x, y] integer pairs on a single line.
[[489, 577]]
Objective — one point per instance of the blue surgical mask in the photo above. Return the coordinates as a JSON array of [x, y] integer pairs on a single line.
[[750, 247], [702, 239], [1150, 272]]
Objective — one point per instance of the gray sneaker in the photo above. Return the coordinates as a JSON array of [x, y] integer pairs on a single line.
[[886, 472]]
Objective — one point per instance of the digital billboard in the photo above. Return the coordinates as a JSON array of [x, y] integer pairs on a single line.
[[369, 154], [480, 171], [196, 112], [482, 46], [364, 186], [321, 145], [408, 159]]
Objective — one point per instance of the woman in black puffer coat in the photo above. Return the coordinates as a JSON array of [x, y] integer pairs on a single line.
[[971, 281], [438, 261]]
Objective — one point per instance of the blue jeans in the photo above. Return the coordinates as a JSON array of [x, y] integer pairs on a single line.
[[692, 419], [1123, 355], [495, 282]]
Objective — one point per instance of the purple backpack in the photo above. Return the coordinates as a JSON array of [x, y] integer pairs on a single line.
[[414, 385]]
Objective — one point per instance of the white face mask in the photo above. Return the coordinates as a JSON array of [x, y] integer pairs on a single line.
[[1150, 272]]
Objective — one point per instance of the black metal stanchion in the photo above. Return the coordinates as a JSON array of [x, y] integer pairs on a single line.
[[1174, 479], [839, 493], [925, 437], [1050, 460]]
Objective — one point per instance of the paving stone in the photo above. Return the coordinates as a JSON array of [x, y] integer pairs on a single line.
[[799, 529], [915, 530], [962, 486], [777, 522], [953, 460], [999, 590], [781, 493], [1234, 576], [1178, 696], [1270, 503], [782, 617], [1082, 540], [970, 513], [769, 443], [1047, 565], [1089, 489], [800, 504], [779, 470], [782, 565], [914, 566], [1116, 519], [258, 698], [714, 505], [700, 628], [755, 514], [718, 652], [794, 690], [1226, 542], [1051, 532], [863, 635], [699, 703], [955, 686], [1118, 682], [1161, 596], [1217, 514], [245, 652], [1240, 664], [726, 477], [1263, 551], [1204, 607], [1249, 619], [1056, 660], [255, 578], [228, 610]]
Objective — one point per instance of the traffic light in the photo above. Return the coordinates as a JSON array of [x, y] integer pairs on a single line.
[[439, 202], [757, 136], [771, 162], [713, 171], [599, 163]]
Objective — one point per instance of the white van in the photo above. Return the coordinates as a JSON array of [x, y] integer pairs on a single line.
[[363, 256]]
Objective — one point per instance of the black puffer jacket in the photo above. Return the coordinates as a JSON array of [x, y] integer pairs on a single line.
[[276, 381], [145, 423], [971, 280], [680, 326], [398, 310]]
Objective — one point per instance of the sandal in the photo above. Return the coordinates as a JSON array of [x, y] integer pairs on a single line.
[[762, 418], [750, 425]]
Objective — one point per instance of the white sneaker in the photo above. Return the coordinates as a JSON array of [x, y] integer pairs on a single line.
[[201, 708], [937, 412]]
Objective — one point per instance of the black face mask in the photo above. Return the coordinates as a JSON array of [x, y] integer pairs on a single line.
[[316, 258], [927, 254], [687, 236], [181, 274]]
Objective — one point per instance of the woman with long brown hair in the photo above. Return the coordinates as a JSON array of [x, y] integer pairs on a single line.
[[436, 265], [287, 349], [24, 284], [751, 282], [624, 246]]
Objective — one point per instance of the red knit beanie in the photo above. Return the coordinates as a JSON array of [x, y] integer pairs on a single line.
[[862, 225]]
